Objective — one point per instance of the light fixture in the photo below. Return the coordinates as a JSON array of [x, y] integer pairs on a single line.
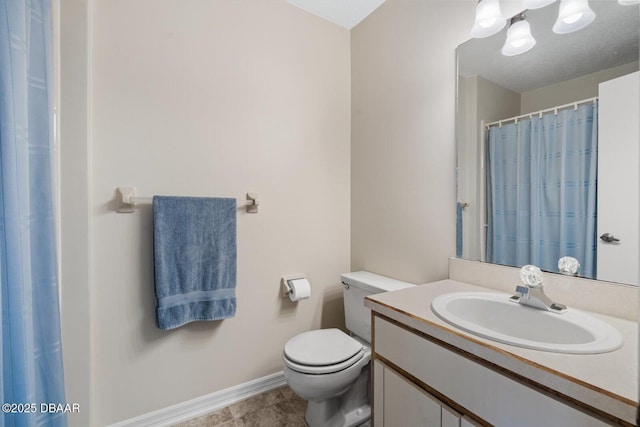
[[536, 4], [489, 19], [519, 38], [573, 16], [628, 2]]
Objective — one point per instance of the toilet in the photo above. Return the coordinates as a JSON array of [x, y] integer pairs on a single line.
[[329, 368]]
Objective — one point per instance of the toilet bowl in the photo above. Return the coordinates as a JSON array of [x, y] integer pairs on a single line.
[[321, 366], [323, 363], [329, 368]]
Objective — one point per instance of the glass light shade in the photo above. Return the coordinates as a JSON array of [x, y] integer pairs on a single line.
[[519, 39], [628, 2], [489, 19], [536, 4], [573, 16]]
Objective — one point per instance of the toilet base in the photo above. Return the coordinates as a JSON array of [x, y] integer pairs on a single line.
[[350, 409], [323, 414]]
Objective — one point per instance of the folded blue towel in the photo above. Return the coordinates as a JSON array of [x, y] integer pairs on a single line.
[[194, 244]]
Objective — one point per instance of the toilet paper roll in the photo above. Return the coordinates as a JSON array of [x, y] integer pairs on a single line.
[[300, 289]]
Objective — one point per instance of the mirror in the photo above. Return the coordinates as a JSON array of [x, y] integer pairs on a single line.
[[562, 73]]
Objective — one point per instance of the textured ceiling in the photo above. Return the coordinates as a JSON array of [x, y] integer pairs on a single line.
[[611, 40], [346, 13]]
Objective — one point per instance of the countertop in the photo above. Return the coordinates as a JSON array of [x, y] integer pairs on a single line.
[[607, 382]]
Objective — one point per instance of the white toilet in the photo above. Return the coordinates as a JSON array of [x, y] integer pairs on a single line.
[[329, 368]]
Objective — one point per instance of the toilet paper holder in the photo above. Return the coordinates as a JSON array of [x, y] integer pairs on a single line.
[[285, 286]]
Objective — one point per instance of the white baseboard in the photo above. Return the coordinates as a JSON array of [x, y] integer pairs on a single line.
[[202, 405]]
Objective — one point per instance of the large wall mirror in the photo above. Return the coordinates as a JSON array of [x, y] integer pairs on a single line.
[[548, 147]]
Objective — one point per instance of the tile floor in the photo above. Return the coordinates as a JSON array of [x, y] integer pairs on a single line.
[[280, 407]]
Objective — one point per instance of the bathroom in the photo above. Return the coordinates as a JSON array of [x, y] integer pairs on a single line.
[[348, 136]]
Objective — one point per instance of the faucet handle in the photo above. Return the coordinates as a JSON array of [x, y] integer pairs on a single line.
[[568, 265], [531, 276]]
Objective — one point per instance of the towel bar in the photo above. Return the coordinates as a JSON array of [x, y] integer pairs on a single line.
[[127, 201]]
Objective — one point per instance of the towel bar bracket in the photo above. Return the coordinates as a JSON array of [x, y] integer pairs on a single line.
[[124, 202], [252, 202]]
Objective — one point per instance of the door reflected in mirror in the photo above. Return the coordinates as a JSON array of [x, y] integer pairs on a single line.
[[548, 147]]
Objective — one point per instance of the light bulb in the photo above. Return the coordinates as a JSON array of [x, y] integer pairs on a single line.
[[572, 19], [489, 19], [487, 23], [573, 16]]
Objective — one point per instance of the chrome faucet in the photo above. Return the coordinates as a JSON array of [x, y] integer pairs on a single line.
[[532, 294]]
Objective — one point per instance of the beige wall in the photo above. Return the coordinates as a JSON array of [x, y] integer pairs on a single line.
[[577, 89], [403, 80], [74, 120], [207, 98]]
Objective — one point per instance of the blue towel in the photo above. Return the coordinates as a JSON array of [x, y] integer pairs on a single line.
[[194, 244], [459, 207]]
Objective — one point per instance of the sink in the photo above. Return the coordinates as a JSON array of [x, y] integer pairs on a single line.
[[493, 316]]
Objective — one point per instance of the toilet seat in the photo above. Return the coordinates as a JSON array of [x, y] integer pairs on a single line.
[[322, 351], [326, 369]]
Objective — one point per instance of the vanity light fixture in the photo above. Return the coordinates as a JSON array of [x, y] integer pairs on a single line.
[[519, 38], [536, 4], [573, 16], [489, 19]]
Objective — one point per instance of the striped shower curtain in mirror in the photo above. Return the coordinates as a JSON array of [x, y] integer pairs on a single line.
[[30, 346], [541, 190]]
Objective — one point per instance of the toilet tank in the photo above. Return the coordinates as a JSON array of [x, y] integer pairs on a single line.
[[357, 286]]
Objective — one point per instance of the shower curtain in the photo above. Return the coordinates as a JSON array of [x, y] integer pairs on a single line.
[[541, 190], [30, 346]]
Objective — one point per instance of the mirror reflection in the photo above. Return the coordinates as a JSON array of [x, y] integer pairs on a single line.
[[548, 146]]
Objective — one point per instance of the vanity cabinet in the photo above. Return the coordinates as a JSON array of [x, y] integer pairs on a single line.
[[414, 374]]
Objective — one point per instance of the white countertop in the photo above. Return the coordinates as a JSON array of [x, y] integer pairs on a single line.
[[608, 381]]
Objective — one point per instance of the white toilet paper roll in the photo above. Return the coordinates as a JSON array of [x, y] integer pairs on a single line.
[[300, 289]]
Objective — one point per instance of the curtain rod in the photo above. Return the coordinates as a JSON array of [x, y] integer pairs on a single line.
[[541, 112]]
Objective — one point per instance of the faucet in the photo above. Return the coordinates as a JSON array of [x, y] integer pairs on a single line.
[[532, 294]]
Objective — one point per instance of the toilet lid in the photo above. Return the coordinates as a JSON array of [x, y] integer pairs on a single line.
[[321, 347]]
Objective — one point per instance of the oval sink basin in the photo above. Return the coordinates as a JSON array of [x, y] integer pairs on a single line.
[[493, 316]]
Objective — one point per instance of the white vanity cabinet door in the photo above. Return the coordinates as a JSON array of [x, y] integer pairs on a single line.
[[407, 405], [399, 402], [378, 394]]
